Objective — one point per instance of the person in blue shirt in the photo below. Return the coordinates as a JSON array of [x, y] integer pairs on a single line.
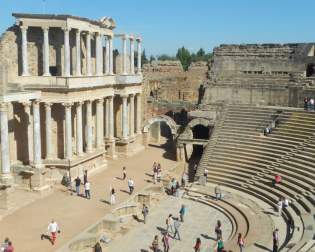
[[182, 212]]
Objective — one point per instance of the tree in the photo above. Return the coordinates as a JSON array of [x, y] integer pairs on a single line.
[[183, 55], [164, 57], [201, 53], [144, 59], [152, 58]]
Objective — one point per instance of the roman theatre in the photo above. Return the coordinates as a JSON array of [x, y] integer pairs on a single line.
[[76, 97]]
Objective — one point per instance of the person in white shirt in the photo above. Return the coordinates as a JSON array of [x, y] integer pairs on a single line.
[[280, 205], [131, 185], [286, 202], [87, 190], [53, 228]]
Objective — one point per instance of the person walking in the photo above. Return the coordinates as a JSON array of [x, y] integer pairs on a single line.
[[159, 173], [124, 173], [131, 185], [5, 244], [240, 242], [184, 179], [177, 187], [145, 212], [220, 245], [112, 197], [77, 185], [85, 177], [155, 244], [176, 228], [166, 242], [9, 248], [280, 205], [218, 192], [197, 245], [275, 239], [182, 213], [169, 223], [53, 228], [97, 247], [87, 188], [155, 174], [218, 230]]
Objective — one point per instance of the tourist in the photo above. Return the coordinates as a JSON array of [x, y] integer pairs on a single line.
[[169, 223], [197, 245], [131, 185], [87, 189], [275, 239], [112, 196], [155, 174], [124, 173], [77, 185], [155, 244], [173, 186], [277, 180], [145, 212], [286, 202], [220, 245], [159, 173], [53, 228], [184, 179], [312, 104], [9, 248], [177, 189], [218, 192], [240, 242], [97, 247], [182, 212], [85, 178], [176, 228], [5, 244], [206, 173], [218, 230], [166, 241], [305, 103], [280, 205]]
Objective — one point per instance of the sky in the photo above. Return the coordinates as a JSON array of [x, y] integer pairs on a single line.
[[166, 25]]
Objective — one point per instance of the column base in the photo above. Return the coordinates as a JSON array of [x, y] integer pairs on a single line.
[[25, 74], [6, 180], [111, 150], [46, 74]]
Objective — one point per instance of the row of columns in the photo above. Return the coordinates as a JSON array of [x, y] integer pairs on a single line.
[[109, 58], [35, 157]]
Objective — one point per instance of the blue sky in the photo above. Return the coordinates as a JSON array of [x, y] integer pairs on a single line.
[[166, 25]]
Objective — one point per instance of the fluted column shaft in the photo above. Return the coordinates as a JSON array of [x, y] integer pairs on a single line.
[[36, 134], [111, 117], [88, 55], [46, 71], [25, 71], [132, 116], [27, 111], [124, 50], [89, 134], [79, 134], [48, 130], [99, 123], [107, 117], [124, 116], [68, 132], [99, 54], [138, 121], [139, 56], [5, 147], [111, 56], [78, 52], [66, 53], [107, 56], [132, 56]]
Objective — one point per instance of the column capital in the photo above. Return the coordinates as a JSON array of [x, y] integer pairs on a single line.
[[77, 31], [100, 100], [26, 103], [67, 104], [45, 28], [109, 36], [3, 106], [132, 95], [36, 102], [124, 95], [79, 103], [66, 29], [139, 39], [131, 38], [110, 97], [124, 37], [88, 101], [24, 27], [48, 104]]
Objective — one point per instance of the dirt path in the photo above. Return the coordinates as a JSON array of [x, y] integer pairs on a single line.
[[74, 214]]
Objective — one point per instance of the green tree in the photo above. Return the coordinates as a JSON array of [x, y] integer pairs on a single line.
[[183, 55], [201, 53], [152, 58], [164, 57], [144, 59]]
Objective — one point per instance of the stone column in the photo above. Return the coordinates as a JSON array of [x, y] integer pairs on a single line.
[[132, 116], [88, 127], [138, 115], [139, 56], [36, 135], [124, 117], [5, 146], [79, 140], [107, 118], [99, 123], [46, 71], [99, 53], [25, 71], [48, 130], [111, 56], [66, 52], [124, 54], [27, 110], [88, 54], [107, 56], [111, 117], [68, 119], [132, 55], [78, 52]]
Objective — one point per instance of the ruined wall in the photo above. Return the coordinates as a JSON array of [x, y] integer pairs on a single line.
[[267, 74]]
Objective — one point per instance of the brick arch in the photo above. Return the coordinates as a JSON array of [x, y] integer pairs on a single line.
[[161, 118]]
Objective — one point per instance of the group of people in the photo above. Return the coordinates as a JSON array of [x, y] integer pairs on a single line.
[[7, 246], [309, 104], [157, 172], [86, 185], [173, 187]]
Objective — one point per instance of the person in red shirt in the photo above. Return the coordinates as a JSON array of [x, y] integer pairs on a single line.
[[277, 180], [197, 245], [9, 248]]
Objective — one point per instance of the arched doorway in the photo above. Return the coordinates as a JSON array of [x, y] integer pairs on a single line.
[[160, 131]]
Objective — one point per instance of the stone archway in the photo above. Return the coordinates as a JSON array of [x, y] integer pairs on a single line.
[[160, 118]]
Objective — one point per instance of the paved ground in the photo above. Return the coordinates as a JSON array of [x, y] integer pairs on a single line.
[[199, 222], [74, 214]]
